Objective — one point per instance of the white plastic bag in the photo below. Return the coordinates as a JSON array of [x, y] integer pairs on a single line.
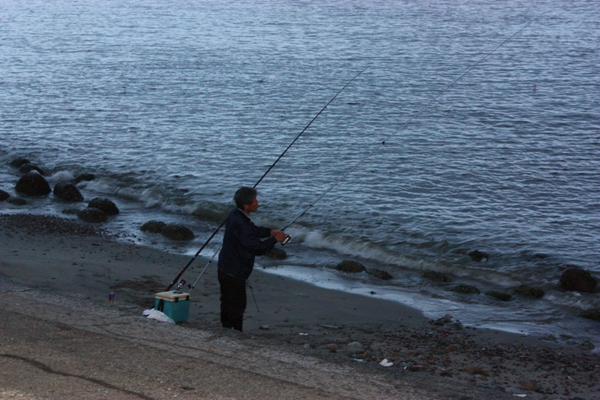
[[158, 315]]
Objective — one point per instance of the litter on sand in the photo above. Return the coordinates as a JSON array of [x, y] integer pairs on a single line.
[[386, 363], [158, 315]]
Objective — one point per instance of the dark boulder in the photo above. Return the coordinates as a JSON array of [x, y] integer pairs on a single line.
[[499, 295], [525, 290], [578, 279], [4, 195], [84, 177], [18, 162], [478, 256], [379, 273], [592, 313], [26, 168], [153, 226], [105, 205], [350, 266], [177, 232], [436, 276], [465, 289], [92, 214], [33, 184], [277, 254], [17, 201], [67, 192]]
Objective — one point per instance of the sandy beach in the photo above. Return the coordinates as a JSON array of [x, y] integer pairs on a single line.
[[62, 258]]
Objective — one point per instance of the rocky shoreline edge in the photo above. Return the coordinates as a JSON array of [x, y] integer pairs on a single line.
[[367, 334]]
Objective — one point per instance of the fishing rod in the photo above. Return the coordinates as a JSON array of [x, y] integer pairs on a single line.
[[257, 183], [427, 105], [383, 142]]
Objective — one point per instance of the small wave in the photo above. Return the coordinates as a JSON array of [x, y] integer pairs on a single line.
[[362, 249], [214, 213], [60, 176], [168, 200]]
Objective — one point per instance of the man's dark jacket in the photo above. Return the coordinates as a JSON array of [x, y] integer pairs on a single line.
[[241, 243]]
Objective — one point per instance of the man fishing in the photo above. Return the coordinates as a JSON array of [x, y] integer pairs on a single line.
[[242, 241]]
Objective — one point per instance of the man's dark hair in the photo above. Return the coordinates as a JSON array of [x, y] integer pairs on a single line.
[[244, 196]]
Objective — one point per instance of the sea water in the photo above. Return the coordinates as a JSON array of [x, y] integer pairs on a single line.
[[456, 137]]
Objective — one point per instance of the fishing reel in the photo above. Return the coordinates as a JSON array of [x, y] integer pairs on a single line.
[[180, 284], [286, 240]]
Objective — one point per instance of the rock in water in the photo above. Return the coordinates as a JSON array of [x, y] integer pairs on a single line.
[[477, 255], [84, 177], [33, 184], [436, 276], [92, 214], [592, 313], [67, 192], [18, 162], [577, 279], [350, 266], [26, 168], [153, 226], [17, 201], [4, 195], [499, 295], [177, 232], [381, 274], [529, 291], [106, 205], [465, 289]]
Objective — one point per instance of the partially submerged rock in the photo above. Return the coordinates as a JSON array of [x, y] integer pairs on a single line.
[[525, 290], [26, 168], [106, 205], [499, 295], [478, 256], [17, 201], [67, 192], [465, 289], [436, 276], [350, 266], [592, 313], [381, 274], [4, 195], [177, 232], [84, 177], [92, 214], [18, 162], [578, 279], [33, 184], [153, 226]]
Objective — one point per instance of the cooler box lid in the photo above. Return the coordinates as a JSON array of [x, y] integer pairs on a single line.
[[173, 295]]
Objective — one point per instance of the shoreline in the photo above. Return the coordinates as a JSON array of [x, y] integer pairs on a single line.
[[75, 260]]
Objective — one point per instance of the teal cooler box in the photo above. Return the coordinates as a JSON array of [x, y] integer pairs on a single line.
[[174, 304]]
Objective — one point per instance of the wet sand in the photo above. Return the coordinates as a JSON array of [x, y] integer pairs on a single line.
[[81, 263]]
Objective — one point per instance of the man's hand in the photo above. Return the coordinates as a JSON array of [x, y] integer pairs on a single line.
[[278, 235]]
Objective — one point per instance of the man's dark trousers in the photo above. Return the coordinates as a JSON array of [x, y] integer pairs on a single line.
[[233, 301]]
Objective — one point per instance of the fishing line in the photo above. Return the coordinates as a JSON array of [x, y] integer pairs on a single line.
[[418, 112], [255, 185], [363, 160], [253, 296]]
